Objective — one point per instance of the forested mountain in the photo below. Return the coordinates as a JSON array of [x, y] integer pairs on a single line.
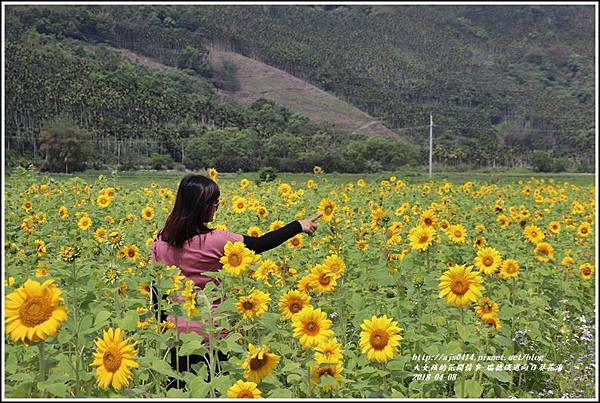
[[501, 81]]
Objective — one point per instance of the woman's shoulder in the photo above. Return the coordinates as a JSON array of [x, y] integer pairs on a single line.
[[226, 235]]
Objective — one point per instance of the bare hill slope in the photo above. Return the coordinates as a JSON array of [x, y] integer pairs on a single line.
[[259, 80]]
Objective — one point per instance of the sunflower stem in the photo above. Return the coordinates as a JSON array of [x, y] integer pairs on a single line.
[[308, 372], [42, 364]]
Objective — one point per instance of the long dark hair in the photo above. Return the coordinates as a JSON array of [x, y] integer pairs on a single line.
[[195, 197]]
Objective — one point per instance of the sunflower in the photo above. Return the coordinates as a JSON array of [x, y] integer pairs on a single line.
[[304, 284], [115, 238], [428, 219], [100, 235], [69, 253], [296, 242], [311, 326], [567, 261], [379, 338], [144, 288], [488, 260], [310, 184], [461, 285], [241, 390], [275, 225], [479, 242], [40, 247], [444, 225], [533, 234], [244, 182], [322, 279], [554, 228], [148, 213], [27, 205], [292, 302], [328, 352], [334, 371], [493, 321], [328, 207], [486, 308], [421, 237], [510, 268], [212, 172], [457, 233], [237, 258], [254, 231], [238, 204], [262, 212], [544, 252], [267, 268], [254, 304], [132, 252], [110, 192], [259, 363], [586, 271], [503, 220], [103, 201], [584, 230], [63, 212], [113, 358], [362, 245], [317, 170], [335, 264], [85, 223], [33, 311]]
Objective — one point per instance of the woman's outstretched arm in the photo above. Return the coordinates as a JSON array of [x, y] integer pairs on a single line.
[[275, 238], [272, 239]]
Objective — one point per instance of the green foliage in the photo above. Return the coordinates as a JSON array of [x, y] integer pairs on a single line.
[[474, 75], [266, 174], [161, 161], [65, 145], [541, 161]]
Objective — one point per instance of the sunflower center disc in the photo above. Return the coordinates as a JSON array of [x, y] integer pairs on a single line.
[[423, 238], [587, 271], [488, 261], [295, 307], [256, 363], [248, 305], [246, 393], [325, 280], [379, 340], [459, 287], [327, 210], [234, 260], [428, 221], [311, 327], [112, 360], [35, 310]]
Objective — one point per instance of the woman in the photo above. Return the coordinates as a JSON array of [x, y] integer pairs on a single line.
[[187, 242]]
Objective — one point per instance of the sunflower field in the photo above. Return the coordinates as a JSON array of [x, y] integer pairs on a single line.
[[431, 289]]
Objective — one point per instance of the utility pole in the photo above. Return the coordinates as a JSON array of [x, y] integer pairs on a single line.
[[430, 144]]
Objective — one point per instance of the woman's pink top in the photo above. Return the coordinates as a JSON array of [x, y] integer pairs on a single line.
[[199, 255]]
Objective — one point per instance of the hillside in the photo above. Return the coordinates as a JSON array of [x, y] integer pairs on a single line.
[[259, 80], [503, 82]]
